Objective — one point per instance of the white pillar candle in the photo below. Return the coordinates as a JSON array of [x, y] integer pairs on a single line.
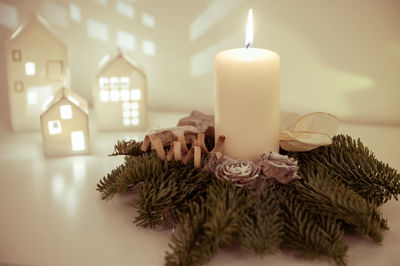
[[247, 101]]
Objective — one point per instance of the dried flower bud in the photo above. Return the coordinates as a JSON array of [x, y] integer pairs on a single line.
[[279, 167], [239, 172]]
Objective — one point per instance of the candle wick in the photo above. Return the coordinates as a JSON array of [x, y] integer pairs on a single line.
[[248, 45]]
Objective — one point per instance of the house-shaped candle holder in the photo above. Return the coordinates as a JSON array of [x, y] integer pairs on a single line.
[[120, 94], [64, 124], [36, 66]]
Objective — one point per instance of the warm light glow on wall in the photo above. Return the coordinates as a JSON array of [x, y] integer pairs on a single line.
[[66, 112], [45, 105], [77, 140], [30, 68], [74, 12], [54, 127], [32, 97]]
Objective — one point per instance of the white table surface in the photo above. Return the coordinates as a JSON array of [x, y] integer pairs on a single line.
[[51, 214]]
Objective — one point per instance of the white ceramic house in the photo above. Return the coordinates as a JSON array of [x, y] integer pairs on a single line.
[[36, 66], [64, 124], [120, 94]]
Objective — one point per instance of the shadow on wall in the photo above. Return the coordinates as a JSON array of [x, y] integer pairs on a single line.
[[340, 57]]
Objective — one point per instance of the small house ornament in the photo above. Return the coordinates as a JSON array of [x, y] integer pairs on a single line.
[[36, 67], [120, 94], [64, 124]]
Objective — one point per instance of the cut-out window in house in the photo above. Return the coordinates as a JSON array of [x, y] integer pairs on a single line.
[[136, 94], [135, 113], [125, 96], [103, 83], [66, 111], [104, 95], [16, 55], [135, 121], [130, 114], [114, 83], [54, 127], [55, 70], [19, 86], [135, 105], [30, 68], [78, 140], [114, 95]]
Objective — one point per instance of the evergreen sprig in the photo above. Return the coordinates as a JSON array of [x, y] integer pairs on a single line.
[[311, 236], [325, 196], [261, 229], [342, 186], [210, 225], [355, 165], [128, 147], [167, 190]]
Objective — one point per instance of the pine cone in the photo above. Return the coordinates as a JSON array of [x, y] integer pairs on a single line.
[[279, 167], [239, 172]]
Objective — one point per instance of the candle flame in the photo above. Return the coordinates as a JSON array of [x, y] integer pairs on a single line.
[[249, 30]]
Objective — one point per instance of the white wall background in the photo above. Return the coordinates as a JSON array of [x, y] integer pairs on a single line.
[[341, 57]]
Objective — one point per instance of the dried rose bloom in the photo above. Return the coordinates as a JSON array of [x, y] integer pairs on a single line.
[[239, 172], [279, 167]]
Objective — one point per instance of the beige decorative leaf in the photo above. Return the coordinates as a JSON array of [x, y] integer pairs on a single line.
[[303, 141], [318, 122], [288, 120], [309, 132]]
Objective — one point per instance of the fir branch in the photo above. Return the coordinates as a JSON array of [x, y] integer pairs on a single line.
[[108, 186], [132, 172], [354, 165], [210, 225], [166, 190], [311, 236], [262, 228], [130, 147], [325, 196]]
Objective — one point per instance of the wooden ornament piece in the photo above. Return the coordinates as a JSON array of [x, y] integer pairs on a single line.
[[197, 157], [177, 148]]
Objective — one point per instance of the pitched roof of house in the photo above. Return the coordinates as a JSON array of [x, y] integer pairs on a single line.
[[71, 96], [37, 19], [107, 60]]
